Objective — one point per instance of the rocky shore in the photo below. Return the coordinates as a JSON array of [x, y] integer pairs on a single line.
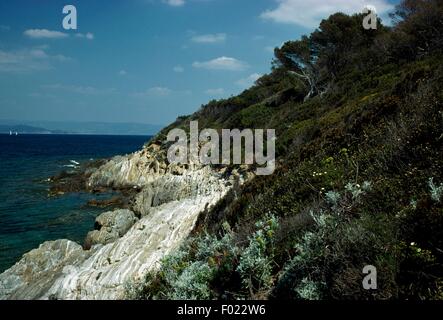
[[166, 201]]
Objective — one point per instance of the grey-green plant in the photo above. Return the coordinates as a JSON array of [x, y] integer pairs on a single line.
[[436, 190], [308, 290], [358, 190], [333, 198], [256, 261]]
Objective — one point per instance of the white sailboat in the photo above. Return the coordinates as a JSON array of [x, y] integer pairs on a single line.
[[10, 132], [16, 133]]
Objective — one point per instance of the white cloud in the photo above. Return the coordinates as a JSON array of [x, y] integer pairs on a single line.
[[153, 92], [42, 46], [83, 90], [89, 35], [209, 38], [309, 13], [4, 28], [44, 34], [28, 60], [249, 81], [179, 69], [61, 58], [38, 53], [222, 63], [215, 92], [123, 72], [159, 91], [175, 3]]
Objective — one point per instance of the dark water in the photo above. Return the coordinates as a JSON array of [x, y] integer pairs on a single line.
[[28, 216]]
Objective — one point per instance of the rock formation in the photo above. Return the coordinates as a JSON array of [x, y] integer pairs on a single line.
[[122, 249], [110, 226]]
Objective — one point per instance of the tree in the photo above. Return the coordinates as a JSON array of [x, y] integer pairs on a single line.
[[318, 59], [299, 58]]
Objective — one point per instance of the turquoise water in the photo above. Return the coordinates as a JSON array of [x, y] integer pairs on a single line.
[[28, 216]]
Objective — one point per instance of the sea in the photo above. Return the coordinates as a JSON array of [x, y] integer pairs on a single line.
[[28, 216]]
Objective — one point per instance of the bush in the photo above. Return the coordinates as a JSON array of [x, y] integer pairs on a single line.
[[308, 290], [192, 283], [256, 261], [185, 274], [436, 191]]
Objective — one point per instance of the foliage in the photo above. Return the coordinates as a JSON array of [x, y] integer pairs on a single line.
[[255, 266], [436, 191]]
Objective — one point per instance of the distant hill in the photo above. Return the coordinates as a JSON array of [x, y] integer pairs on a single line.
[[67, 127], [25, 129]]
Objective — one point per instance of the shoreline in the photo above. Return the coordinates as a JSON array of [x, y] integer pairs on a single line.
[[34, 209], [166, 202]]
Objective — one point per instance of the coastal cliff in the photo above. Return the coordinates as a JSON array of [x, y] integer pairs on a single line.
[[359, 183], [127, 245]]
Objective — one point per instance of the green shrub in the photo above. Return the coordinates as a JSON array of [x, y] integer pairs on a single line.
[[329, 258], [256, 261], [192, 283], [308, 290]]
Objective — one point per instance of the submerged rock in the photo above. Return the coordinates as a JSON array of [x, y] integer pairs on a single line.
[[116, 201], [74, 181]]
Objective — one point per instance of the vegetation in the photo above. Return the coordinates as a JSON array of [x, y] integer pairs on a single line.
[[359, 120]]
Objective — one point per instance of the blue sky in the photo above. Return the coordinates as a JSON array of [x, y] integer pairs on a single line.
[[145, 61]]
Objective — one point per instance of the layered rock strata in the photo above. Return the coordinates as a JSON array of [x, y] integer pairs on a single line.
[[123, 248]]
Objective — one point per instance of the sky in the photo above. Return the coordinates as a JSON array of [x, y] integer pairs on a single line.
[[144, 61]]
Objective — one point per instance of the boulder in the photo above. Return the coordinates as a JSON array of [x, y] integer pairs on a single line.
[[35, 273], [109, 227]]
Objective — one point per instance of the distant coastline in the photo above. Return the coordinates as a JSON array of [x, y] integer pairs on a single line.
[[23, 129], [73, 134], [78, 128]]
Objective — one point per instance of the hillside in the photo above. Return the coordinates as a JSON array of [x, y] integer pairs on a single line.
[[359, 178]]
